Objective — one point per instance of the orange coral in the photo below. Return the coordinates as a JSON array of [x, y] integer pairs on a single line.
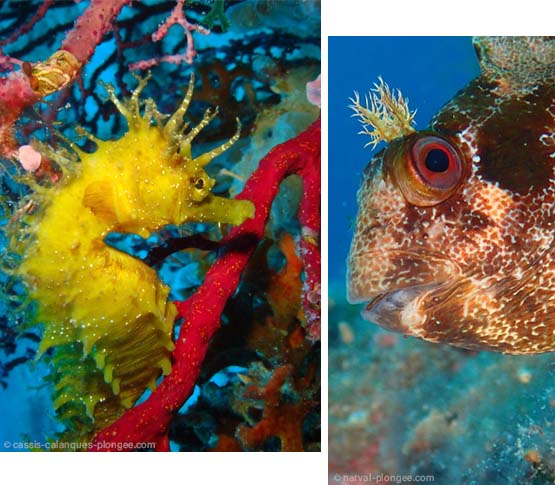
[[281, 419]]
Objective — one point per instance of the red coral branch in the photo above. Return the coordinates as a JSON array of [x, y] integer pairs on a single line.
[[201, 313]]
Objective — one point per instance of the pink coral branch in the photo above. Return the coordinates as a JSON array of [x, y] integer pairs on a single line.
[[154, 61], [89, 29], [201, 313], [177, 17]]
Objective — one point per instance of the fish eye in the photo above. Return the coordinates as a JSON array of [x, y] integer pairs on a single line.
[[427, 168], [199, 183], [436, 162]]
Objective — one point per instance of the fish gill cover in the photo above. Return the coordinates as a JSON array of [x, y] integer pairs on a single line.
[[160, 225], [453, 244]]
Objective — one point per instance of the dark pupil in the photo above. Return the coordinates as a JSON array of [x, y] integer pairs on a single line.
[[437, 160]]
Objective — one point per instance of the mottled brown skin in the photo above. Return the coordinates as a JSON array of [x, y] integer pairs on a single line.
[[478, 269]]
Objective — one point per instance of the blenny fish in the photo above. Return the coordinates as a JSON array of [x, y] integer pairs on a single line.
[[454, 238]]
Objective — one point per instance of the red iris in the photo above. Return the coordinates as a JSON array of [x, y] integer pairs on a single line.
[[435, 162]]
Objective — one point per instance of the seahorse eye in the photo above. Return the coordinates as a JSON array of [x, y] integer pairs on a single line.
[[199, 183]]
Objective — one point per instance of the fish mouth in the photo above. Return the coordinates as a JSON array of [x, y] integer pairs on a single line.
[[400, 310], [396, 286]]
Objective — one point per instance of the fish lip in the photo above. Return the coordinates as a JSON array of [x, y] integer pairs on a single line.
[[399, 310], [448, 271]]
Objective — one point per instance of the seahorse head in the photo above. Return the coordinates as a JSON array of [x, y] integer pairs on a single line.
[[149, 177]]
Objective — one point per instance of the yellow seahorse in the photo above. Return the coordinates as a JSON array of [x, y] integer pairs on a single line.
[[105, 313]]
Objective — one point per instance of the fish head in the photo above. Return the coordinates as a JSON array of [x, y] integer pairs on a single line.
[[454, 235], [408, 210]]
